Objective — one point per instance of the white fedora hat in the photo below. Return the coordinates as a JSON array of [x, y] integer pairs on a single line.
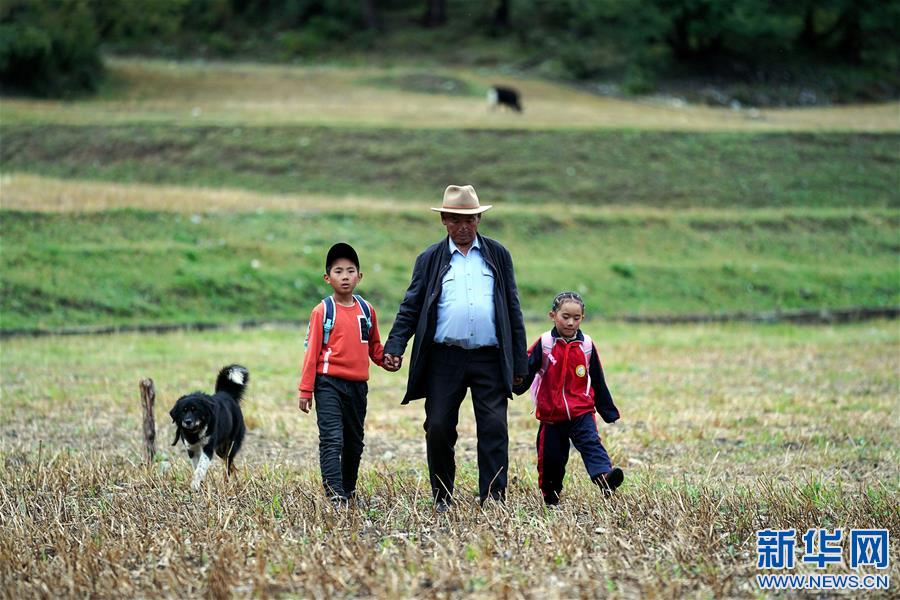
[[462, 200]]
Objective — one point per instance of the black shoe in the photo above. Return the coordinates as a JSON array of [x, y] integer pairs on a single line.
[[496, 497], [442, 506], [608, 482], [354, 500], [339, 503], [492, 503]]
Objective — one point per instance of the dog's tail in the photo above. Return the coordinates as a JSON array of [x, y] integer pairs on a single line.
[[233, 379]]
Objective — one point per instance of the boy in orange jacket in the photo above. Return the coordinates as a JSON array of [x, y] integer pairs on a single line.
[[341, 339]]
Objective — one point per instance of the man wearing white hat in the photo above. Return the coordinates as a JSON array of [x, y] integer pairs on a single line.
[[463, 308]]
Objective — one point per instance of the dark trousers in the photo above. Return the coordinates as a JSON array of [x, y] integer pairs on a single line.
[[340, 414], [553, 453], [450, 372]]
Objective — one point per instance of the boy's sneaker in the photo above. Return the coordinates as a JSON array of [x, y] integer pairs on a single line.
[[357, 502], [442, 506], [339, 502], [490, 502], [608, 482]]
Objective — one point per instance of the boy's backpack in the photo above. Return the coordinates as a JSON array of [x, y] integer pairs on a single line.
[[328, 319], [547, 341]]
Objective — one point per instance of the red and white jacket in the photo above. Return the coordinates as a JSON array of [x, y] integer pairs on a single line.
[[566, 379]]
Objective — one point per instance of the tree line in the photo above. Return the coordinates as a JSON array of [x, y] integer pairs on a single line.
[[53, 47]]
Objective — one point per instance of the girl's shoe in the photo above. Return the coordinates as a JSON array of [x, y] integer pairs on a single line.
[[608, 482]]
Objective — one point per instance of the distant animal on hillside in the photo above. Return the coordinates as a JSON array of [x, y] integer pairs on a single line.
[[504, 96], [208, 424]]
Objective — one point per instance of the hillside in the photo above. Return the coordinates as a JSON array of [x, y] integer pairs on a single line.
[[132, 209]]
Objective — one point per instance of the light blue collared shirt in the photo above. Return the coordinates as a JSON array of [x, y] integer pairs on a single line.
[[465, 315]]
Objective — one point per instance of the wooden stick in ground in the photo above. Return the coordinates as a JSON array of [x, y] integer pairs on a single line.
[[148, 397]]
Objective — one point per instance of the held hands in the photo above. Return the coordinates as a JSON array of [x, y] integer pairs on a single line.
[[519, 385], [304, 403], [392, 363]]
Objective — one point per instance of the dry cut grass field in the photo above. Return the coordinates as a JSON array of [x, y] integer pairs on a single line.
[[725, 430], [206, 93], [36, 193]]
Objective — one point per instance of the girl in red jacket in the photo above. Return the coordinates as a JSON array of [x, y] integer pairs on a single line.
[[567, 386]]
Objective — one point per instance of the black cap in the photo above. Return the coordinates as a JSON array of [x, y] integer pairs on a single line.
[[341, 250]]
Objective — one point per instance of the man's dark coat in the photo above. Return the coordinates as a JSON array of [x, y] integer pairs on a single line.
[[418, 314]]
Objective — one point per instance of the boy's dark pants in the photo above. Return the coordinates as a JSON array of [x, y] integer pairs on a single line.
[[553, 453], [340, 414], [450, 372]]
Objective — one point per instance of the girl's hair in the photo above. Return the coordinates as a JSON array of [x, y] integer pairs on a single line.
[[567, 297]]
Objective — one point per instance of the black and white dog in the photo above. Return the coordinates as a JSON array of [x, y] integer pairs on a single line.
[[212, 423], [504, 96]]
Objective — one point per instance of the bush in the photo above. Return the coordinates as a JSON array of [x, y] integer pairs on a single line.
[[639, 81], [49, 48]]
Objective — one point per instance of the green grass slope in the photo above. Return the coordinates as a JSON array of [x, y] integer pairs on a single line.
[[125, 266]]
